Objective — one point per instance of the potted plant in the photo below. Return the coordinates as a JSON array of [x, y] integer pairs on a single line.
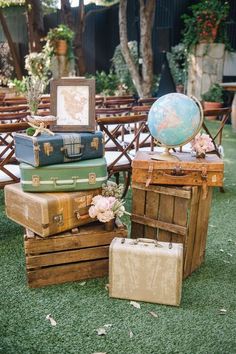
[[213, 98], [60, 38], [205, 23]]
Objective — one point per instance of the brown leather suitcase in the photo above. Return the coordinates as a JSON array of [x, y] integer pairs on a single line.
[[187, 170], [48, 213], [146, 270]]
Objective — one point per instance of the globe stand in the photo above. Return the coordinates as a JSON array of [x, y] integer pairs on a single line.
[[165, 156]]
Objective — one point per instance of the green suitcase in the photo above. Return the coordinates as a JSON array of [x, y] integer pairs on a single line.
[[74, 176]]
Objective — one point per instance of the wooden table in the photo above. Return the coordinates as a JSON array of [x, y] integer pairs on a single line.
[[231, 86]]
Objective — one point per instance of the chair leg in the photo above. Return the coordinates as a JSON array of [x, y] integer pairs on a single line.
[[222, 190], [127, 180]]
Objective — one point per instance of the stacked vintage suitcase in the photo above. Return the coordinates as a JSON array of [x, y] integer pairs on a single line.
[[60, 175], [170, 203]]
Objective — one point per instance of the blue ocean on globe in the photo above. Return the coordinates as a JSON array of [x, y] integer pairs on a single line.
[[174, 119]]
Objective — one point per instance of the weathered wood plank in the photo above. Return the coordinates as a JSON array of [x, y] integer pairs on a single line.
[[166, 211], [180, 216], [66, 273], [138, 207], [190, 241], [175, 191], [65, 257], [152, 207], [201, 230], [165, 226]]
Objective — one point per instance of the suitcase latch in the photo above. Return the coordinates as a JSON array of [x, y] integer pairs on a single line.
[[47, 148], [95, 143], [58, 219], [92, 178], [35, 181], [177, 171]]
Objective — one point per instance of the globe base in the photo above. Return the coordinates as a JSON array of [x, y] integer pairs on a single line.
[[165, 156]]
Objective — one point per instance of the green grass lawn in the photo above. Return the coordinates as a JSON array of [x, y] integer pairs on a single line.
[[196, 327]]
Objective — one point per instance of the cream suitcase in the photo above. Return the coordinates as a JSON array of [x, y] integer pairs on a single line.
[[146, 270]]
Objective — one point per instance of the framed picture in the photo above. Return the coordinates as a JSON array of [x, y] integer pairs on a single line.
[[73, 103]]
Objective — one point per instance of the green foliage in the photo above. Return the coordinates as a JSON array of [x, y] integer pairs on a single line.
[[204, 18], [106, 84], [177, 59], [18, 85], [8, 3], [214, 94], [60, 32], [121, 68], [30, 131]]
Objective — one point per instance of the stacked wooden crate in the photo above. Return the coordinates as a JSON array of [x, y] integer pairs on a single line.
[[60, 174], [172, 200]]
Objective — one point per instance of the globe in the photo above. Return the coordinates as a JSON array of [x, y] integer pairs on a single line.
[[174, 119]]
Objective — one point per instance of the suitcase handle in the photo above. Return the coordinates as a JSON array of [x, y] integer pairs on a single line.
[[147, 240], [71, 156], [65, 185]]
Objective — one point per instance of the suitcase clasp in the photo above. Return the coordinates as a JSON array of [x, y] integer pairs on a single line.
[[47, 148], [95, 143], [92, 178], [35, 181], [58, 219]]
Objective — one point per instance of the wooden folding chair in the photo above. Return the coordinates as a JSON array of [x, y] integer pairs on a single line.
[[119, 159], [223, 115], [9, 171]]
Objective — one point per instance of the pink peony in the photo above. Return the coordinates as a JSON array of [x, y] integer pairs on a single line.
[[106, 216], [92, 211]]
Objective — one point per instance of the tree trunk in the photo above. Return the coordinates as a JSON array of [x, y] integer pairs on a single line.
[[143, 83], [15, 57], [125, 48], [78, 43], [66, 14], [35, 24], [147, 14]]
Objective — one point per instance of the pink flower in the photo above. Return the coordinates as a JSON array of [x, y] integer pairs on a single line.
[[202, 143], [92, 211], [106, 216]]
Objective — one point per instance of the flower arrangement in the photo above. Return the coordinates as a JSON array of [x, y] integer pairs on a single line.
[[111, 189], [201, 144], [61, 32], [106, 208], [37, 64], [205, 23], [34, 90]]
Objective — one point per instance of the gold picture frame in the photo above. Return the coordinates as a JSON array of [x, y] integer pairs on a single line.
[[73, 103]]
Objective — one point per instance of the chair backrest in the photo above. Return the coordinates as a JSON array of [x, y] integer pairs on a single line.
[[117, 111], [9, 124], [222, 116], [147, 101], [114, 128]]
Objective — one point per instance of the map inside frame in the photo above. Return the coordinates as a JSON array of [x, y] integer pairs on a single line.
[[73, 103]]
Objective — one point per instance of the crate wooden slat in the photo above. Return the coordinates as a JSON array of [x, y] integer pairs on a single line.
[[69, 256], [173, 214]]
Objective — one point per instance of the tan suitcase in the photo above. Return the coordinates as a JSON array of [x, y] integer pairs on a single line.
[[187, 170], [146, 270], [48, 213]]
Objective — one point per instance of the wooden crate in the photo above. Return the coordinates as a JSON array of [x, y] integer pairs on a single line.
[[70, 256], [177, 214]]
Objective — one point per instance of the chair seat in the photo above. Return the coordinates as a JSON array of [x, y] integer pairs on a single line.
[[14, 169], [110, 156]]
